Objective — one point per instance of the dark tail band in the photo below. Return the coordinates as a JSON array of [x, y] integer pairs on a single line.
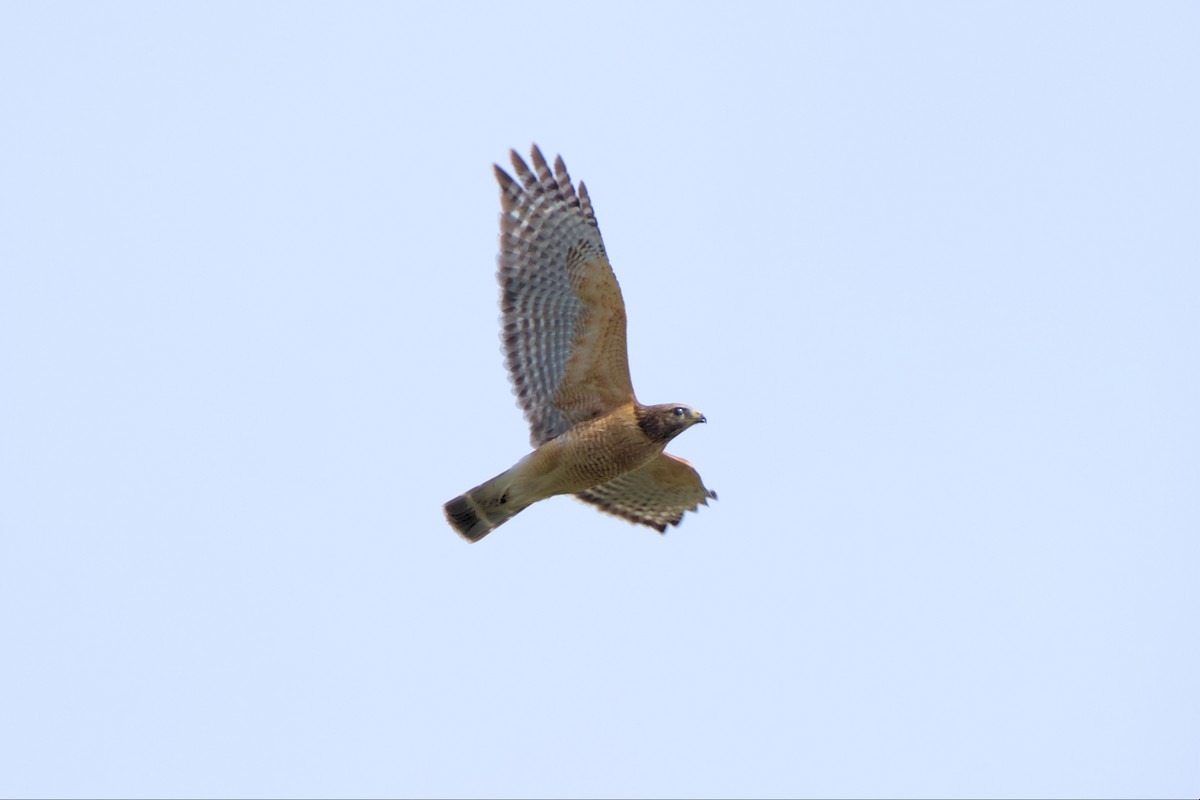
[[463, 516]]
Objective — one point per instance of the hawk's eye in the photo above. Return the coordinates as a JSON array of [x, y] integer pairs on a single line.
[[678, 411]]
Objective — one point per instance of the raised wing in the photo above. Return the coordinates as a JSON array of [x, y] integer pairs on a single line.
[[561, 309], [655, 495]]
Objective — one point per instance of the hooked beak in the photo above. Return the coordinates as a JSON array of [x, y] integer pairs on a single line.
[[700, 417]]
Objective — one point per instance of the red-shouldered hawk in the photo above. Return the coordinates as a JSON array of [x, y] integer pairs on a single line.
[[564, 341]]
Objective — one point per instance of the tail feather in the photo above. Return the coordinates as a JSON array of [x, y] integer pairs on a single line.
[[465, 519], [483, 509]]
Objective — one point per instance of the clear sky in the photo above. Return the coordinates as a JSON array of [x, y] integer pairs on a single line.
[[932, 271]]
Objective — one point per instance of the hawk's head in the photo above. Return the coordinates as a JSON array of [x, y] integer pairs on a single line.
[[664, 422]]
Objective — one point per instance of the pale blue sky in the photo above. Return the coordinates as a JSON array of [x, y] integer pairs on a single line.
[[932, 270]]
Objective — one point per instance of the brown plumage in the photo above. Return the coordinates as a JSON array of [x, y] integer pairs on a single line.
[[563, 330]]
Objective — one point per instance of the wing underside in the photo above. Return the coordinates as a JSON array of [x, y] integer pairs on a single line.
[[563, 318], [656, 494]]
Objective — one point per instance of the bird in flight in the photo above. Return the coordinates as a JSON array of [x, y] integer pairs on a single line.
[[563, 332]]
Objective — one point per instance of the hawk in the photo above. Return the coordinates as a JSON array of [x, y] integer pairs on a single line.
[[563, 333]]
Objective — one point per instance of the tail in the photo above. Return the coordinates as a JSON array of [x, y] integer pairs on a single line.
[[483, 509]]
